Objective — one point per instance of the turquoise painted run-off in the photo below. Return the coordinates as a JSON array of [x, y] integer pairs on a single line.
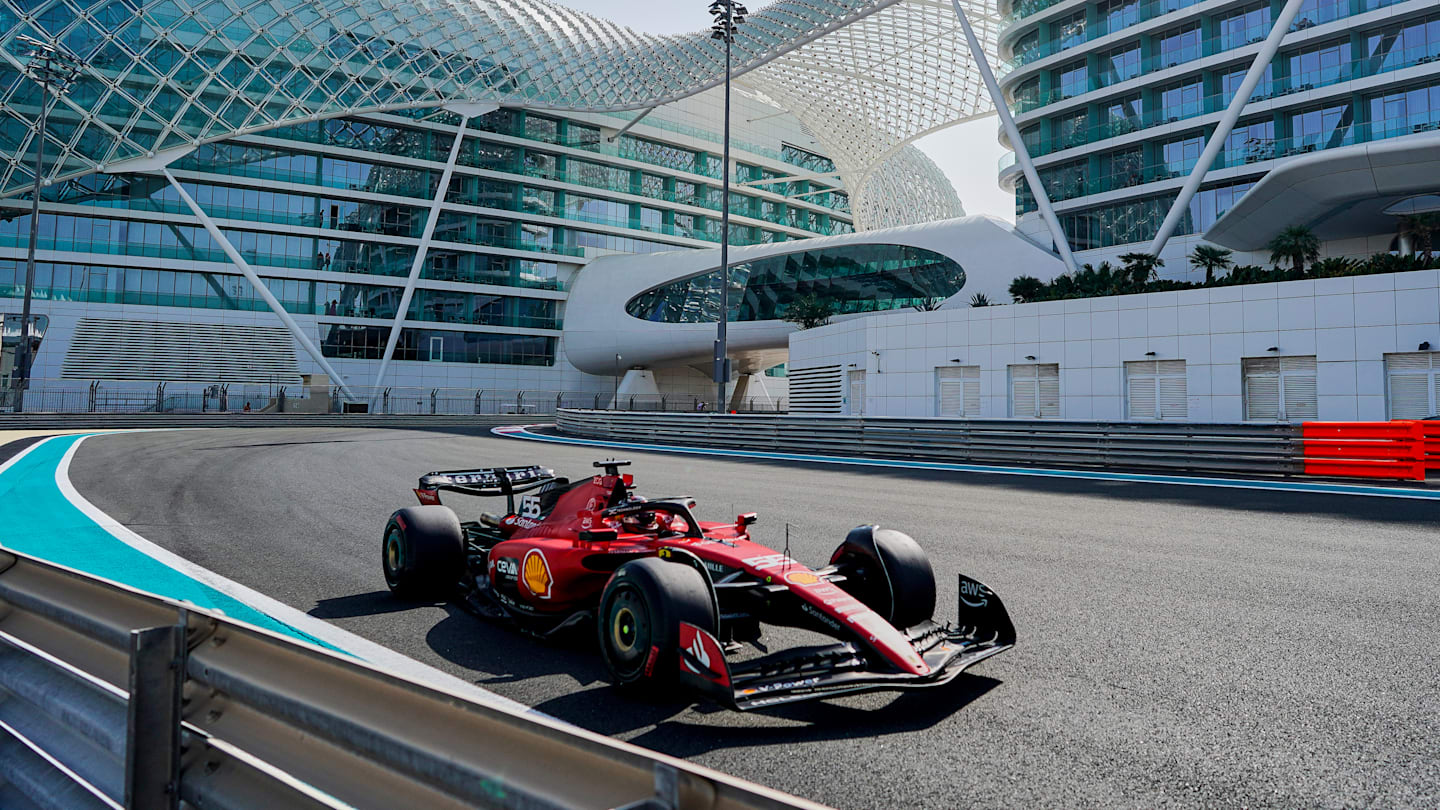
[[37, 519]]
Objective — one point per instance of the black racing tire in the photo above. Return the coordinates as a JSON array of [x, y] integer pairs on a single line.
[[639, 620], [889, 572], [422, 553]]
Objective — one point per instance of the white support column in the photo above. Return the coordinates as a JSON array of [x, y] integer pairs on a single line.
[[1227, 123], [1022, 155], [265, 294], [422, 248]]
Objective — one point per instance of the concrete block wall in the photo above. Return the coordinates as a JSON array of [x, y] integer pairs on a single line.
[[1349, 324]]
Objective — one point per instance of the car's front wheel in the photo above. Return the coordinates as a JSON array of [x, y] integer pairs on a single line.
[[639, 619], [889, 572], [422, 552]]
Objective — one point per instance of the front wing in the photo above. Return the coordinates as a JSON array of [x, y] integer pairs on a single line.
[[842, 668]]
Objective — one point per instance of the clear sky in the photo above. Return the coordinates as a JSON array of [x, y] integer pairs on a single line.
[[968, 153]]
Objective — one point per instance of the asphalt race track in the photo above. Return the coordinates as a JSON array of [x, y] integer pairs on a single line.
[[1179, 646]]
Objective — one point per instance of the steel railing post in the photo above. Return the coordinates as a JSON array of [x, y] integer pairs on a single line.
[[152, 734]]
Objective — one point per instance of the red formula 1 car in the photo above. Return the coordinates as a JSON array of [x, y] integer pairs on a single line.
[[673, 598]]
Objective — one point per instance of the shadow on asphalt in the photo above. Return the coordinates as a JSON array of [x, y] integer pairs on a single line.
[[823, 720], [496, 655], [373, 603]]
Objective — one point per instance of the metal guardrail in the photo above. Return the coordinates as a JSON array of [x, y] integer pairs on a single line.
[[246, 420], [112, 698], [1273, 449]]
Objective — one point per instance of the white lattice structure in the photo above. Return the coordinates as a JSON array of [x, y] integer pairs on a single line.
[[867, 76]]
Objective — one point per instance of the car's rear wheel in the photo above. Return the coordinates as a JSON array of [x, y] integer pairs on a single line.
[[639, 619], [422, 552], [889, 572]]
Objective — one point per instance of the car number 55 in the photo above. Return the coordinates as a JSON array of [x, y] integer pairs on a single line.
[[530, 506]]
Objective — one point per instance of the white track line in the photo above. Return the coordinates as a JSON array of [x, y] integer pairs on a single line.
[[362, 648]]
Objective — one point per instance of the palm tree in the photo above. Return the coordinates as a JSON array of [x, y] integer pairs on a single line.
[[1141, 267], [979, 300], [1210, 258], [1026, 288], [1420, 228], [1298, 244], [809, 311]]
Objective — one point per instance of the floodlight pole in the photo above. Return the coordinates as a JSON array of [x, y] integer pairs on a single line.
[[52, 78], [722, 322]]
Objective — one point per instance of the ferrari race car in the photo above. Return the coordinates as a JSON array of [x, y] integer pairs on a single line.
[[675, 600]]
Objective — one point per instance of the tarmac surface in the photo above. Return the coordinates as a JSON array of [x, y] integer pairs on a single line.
[[1179, 646]]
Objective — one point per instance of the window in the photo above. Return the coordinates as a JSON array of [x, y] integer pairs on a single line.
[[1180, 156], [1314, 12], [957, 391], [1122, 168], [1120, 64], [1182, 100], [1112, 15], [855, 392], [1066, 181], [1071, 80], [1279, 388], [1412, 383], [1025, 44], [1027, 95], [1069, 31], [1035, 391], [1155, 389], [1391, 48], [1124, 115], [1320, 65], [1248, 143], [1071, 130], [1404, 111], [1320, 129], [1230, 83], [1179, 45], [1243, 26]]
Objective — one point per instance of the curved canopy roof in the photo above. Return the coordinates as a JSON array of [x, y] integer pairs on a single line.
[[866, 76]]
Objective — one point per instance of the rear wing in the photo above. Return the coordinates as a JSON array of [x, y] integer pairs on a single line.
[[487, 483]]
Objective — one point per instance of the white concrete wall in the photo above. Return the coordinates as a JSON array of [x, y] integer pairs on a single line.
[[1349, 324]]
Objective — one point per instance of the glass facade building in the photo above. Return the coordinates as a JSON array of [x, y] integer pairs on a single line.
[[330, 215], [1115, 100], [848, 279]]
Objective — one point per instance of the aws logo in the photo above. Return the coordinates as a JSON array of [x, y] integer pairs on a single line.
[[974, 594], [537, 574]]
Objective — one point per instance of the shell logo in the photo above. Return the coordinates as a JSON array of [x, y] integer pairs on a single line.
[[536, 573], [802, 578]]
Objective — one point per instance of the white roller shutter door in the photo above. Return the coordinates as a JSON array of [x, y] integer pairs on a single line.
[[1280, 388], [1297, 384], [957, 391], [1035, 391], [1413, 384], [1155, 389]]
